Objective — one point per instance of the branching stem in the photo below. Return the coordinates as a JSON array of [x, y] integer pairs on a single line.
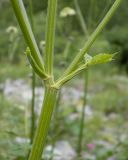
[[92, 38], [37, 64]]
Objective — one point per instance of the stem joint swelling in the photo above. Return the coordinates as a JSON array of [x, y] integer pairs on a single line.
[[49, 83]]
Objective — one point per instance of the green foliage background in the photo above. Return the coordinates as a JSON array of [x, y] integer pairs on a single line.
[[93, 11], [107, 86]]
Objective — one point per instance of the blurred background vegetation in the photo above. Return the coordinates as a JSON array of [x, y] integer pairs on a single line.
[[108, 84]]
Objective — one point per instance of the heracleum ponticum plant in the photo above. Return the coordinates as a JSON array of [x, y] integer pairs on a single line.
[[44, 68]]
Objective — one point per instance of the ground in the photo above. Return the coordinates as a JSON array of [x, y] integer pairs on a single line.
[[106, 126]]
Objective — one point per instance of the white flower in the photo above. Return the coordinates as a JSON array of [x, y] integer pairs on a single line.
[[42, 43], [67, 11], [11, 29]]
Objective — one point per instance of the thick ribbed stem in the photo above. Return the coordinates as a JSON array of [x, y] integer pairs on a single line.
[[50, 36], [44, 123]]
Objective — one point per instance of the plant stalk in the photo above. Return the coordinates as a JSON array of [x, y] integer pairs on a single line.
[[92, 38], [50, 36], [86, 80], [33, 116], [55, 124], [33, 125], [81, 132], [44, 123], [81, 18], [22, 18]]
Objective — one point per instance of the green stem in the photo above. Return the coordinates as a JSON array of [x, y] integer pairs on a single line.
[[109, 2], [22, 18], [33, 117], [55, 125], [64, 80], [33, 125], [44, 123], [81, 18], [86, 80], [50, 36], [26, 121], [92, 38], [66, 50], [90, 14], [81, 132]]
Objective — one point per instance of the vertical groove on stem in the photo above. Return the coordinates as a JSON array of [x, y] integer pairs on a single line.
[[50, 36], [44, 123]]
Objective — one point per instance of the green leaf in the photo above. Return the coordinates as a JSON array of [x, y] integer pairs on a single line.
[[89, 60], [100, 58]]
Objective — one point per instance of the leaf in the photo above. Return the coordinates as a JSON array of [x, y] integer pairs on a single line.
[[100, 58]]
